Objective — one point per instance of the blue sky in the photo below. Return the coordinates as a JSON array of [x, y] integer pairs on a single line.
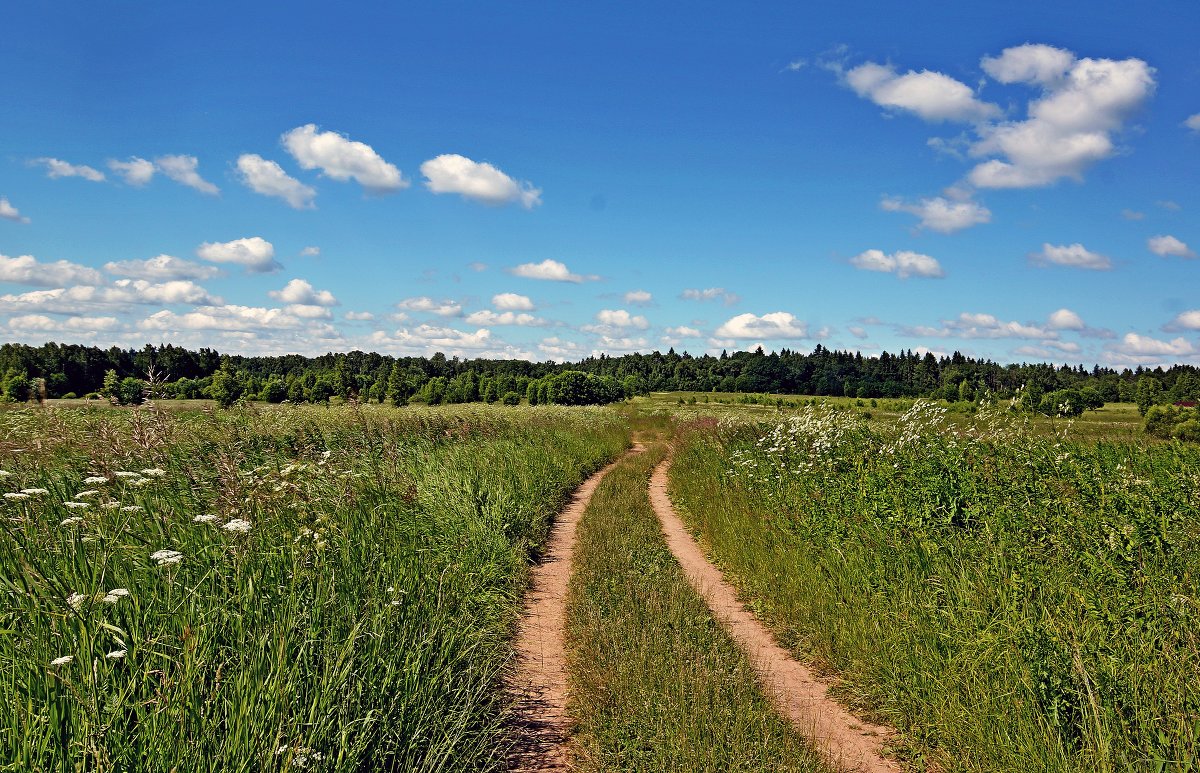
[[553, 180]]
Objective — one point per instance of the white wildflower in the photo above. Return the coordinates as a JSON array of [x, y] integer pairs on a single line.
[[111, 504], [65, 659], [237, 525], [76, 505], [131, 508], [115, 595], [127, 474], [92, 480], [88, 493], [115, 655], [166, 557], [74, 519], [76, 600], [141, 482], [154, 472], [5, 473], [32, 491], [204, 518]]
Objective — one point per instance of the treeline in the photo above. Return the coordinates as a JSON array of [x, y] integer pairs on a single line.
[[62, 370]]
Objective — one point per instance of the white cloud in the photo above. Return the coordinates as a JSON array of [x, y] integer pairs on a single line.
[[310, 252], [477, 267], [359, 316], [710, 294], [775, 325], [550, 270], [80, 299], [1193, 122], [489, 317], [56, 169], [268, 178], [1186, 320], [428, 337], [143, 291], [931, 95], [612, 345], [940, 214], [1034, 63], [1136, 345], [1073, 255], [684, 332], [1069, 127], [1065, 319], [857, 331], [424, 303], [226, 317], [1167, 204], [482, 182], [512, 302], [1132, 214], [903, 263], [619, 318], [161, 267], [308, 311], [638, 298], [1049, 350], [182, 169], [972, 325], [255, 253], [136, 171], [1166, 246], [27, 270], [342, 159], [40, 323], [298, 291], [9, 212], [560, 349]]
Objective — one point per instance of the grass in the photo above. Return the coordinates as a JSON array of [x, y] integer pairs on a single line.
[[346, 584], [1009, 599], [657, 684]]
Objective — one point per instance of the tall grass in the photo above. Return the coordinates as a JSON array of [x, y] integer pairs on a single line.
[[1011, 601], [340, 594], [657, 685]]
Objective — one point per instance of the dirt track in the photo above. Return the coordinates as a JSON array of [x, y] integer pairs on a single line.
[[846, 741]]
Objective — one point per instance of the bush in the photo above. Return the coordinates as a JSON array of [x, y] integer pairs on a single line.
[[1172, 421], [1187, 431], [511, 398], [70, 396]]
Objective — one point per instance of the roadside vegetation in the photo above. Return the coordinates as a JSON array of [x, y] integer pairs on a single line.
[[657, 684], [1008, 596], [271, 589]]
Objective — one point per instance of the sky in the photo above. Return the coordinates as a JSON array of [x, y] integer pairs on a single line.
[[552, 181]]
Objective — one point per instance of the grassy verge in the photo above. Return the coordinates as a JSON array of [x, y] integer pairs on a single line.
[[657, 685], [1011, 601], [271, 589]]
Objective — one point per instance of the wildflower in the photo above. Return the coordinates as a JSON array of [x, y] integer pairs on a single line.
[[92, 480], [166, 557], [76, 505], [237, 525], [65, 659], [115, 595], [154, 472], [5, 473], [127, 474], [32, 491], [115, 655], [111, 504], [74, 519], [88, 493], [76, 600], [131, 508], [141, 482], [205, 518]]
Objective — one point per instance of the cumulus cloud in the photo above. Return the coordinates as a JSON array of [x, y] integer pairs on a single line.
[[1193, 123], [561, 349], [40, 323], [478, 181], [1166, 246], [136, 171], [144, 291], [512, 302], [161, 267], [27, 270], [310, 252], [972, 325], [80, 299], [1135, 345], [638, 298], [425, 303], [255, 254], [775, 325], [903, 263], [268, 178], [684, 331], [222, 317], [1132, 214], [359, 316], [710, 294], [1065, 319], [298, 291], [930, 95], [1186, 320], [1069, 127], [940, 214], [489, 317], [342, 159], [620, 318], [56, 169], [430, 337], [9, 212], [550, 270], [182, 169], [1073, 255]]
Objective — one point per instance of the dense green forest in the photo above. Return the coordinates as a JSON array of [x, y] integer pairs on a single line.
[[68, 370]]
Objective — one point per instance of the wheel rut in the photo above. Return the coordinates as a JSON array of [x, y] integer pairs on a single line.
[[847, 743]]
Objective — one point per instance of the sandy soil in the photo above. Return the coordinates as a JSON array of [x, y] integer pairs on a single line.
[[538, 683], [846, 741]]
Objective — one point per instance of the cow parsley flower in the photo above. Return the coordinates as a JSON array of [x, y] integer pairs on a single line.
[[154, 472], [32, 491], [76, 600], [115, 595], [204, 518], [76, 505], [166, 557], [88, 493], [65, 659], [115, 655], [92, 480], [15, 495], [131, 508], [127, 474], [5, 473], [74, 519], [237, 525]]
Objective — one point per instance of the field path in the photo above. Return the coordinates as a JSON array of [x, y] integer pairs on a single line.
[[538, 683], [847, 742]]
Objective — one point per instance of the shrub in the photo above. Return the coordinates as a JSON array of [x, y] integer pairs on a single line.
[[511, 398]]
